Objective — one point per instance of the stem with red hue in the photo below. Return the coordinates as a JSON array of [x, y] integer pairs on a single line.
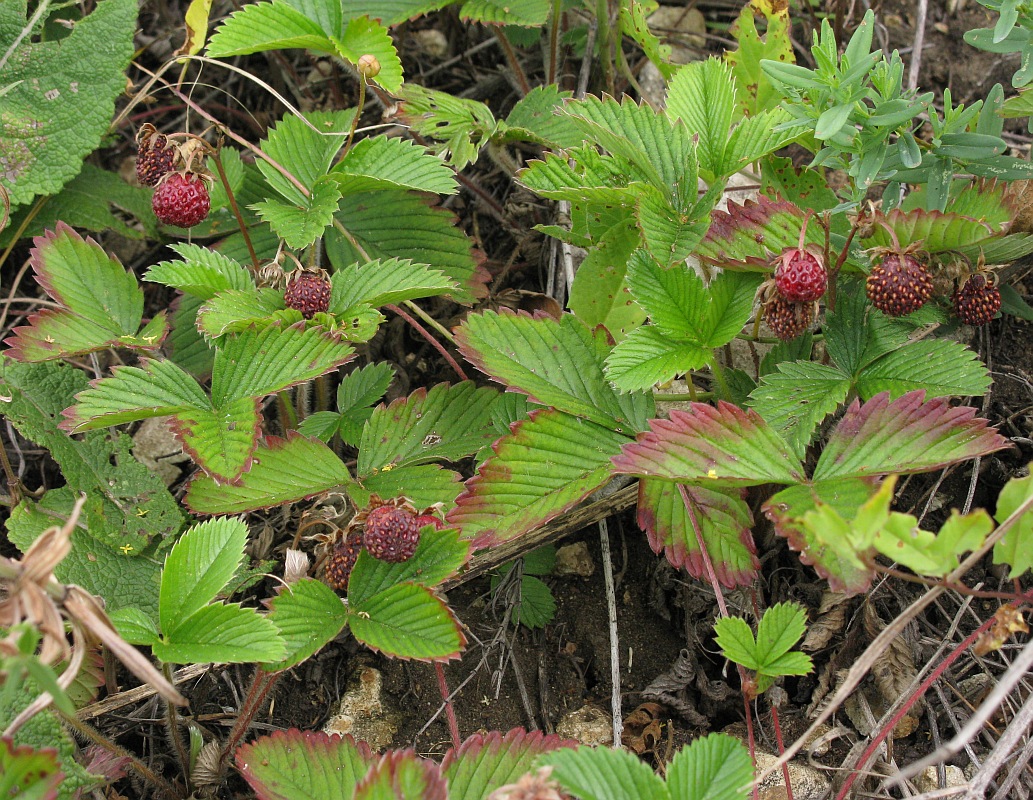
[[450, 712], [781, 749], [433, 342]]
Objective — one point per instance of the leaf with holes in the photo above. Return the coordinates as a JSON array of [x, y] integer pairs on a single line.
[[293, 764], [905, 435], [99, 303], [282, 471], [724, 520], [545, 466], [720, 448]]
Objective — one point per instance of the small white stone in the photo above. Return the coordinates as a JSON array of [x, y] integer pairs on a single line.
[[589, 724], [362, 712], [574, 559], [927, 781]]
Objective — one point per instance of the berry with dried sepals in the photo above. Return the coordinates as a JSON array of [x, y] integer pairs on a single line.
[[787, 319], [977, 300], [800, 276], [899, 284], [181, 199], [391, 534], [308, 292], [341, 561], [155, 157]]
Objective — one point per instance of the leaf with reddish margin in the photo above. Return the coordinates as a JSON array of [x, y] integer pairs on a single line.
[[824, 540], [28, 773], [724, 520], [745, 237], [101, 304], [484, 762], [721, 448], [282, 471], [903, 436], [406, 620], [550, 462], [937, 231], [402, 775], [302, 765], [222, 442]]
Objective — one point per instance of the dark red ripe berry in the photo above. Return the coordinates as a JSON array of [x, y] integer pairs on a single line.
[[154, 160], [423, 520], [391, 534], [899, 284], [977, 301], [786, 319], [341, 561], [800, 277], [309, 293], [181, 200]]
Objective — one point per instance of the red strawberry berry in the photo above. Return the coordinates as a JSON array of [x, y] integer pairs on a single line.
[[181, 199], [977, 301], [391, 534], [787, 319], [308, 292], [800, 277], [899, 284], [341, 561], [154, 159]]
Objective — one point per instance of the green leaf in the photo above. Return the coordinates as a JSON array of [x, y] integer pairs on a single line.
[[805, 187], [856, 335], [720, 448], [366, 36], [746, 236], [27, 773], [797, 397], [135, 626], [293, 764], [381, 283], [306, 147], [647, 357], [308, 615], [756, 93], [1015, 548], [406, 620], [550, 462], [938, 232], [402, 775], [530, 13], [202, 273], [382, 163], [59, 95], [282, 471], [462, 126], [261, 361], [600, 773], [671, 235], [905, 435], [356, 393], [300, 225], [486, 761], [447, 423], [100, 302], [536, 606], [185, 345], [712, 767], [198, 567], [940, 367], [400, 224], [725, 522], [223, 632], [769, 654], [600, 294], [534, 356], [423, 484], [675, 298], [439, 555], [236, 310], [268, 26], [534, 118], [221, 441], [702, 96], [760, 136]]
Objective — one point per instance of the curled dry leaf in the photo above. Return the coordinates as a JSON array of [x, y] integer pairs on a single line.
[[1007, 621]]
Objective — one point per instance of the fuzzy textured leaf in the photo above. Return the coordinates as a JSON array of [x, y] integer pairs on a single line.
[[282, 471], [380, 283], [236, 310], [382, 163], [646, 357], [905, 435], [601, 773], [721, 448], [306, 147], [308, 615], [712, 767], [293, 764], [202, 273], [220, 441], [940, 367], [300, 225], [546, 465], [724, 521]]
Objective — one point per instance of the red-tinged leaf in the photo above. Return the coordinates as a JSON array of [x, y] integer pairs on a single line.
[[407, 621], [484, 762], [282, 471], [221, 442], [401, 775], [101, 303], [721, 448], [937, 231], [724, 520], [747, 236], [27, 773], [904, 435], [303, 765], [824, 541], [550, 462]]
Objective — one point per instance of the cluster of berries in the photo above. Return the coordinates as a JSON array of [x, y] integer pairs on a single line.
[[800, 280], [174, 170], [388, 531]]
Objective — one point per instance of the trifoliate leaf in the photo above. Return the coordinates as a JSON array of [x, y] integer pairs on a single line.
[[702, 96], [534, 117], [306, 148]]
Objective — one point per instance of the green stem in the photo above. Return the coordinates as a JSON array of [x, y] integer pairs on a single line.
[[554, 39], [719, 375], [602, 15]]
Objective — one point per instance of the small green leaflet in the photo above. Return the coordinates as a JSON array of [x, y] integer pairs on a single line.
[[768, 655], [1016, 546]]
